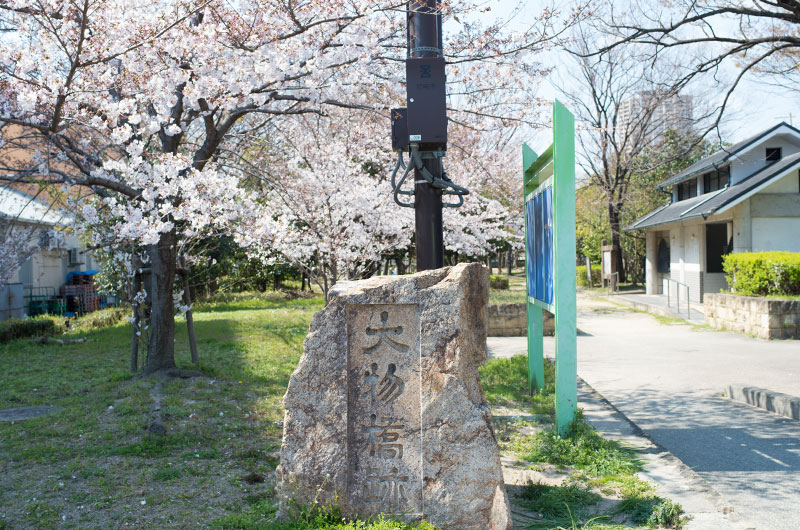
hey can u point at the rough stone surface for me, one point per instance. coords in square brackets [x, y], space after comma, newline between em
[385, 412]
[761, 317]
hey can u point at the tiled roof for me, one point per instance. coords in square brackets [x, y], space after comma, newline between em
[710, 203]
[720, 157]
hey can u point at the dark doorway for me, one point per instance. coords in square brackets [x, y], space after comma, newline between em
[662, 260]
[716, 246]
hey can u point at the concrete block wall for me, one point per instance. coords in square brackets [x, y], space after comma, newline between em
[765, 318]
[714, 282]
[511, 320]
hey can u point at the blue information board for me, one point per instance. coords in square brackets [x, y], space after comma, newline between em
[548, 183]
[539, 231]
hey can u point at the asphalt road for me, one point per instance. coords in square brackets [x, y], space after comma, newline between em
[669, 380]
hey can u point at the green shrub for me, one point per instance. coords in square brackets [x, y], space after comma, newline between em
[763, 273]
[667, 514]
[103, 318]
[581, 275]
[20, 328]
[498, 282]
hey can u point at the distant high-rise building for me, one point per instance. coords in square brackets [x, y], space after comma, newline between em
[670, 113]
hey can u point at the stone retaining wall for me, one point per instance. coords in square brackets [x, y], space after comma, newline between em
[766, 318]
[510, 320]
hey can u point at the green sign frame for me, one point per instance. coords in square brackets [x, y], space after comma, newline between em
[555, 167]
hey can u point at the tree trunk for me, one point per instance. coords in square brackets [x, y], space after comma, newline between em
[160, 282]
[613, 222]
[510, 263]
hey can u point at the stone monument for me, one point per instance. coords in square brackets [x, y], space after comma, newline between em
[385, 412]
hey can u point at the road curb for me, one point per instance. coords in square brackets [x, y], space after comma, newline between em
[783, 404]
[673, 478]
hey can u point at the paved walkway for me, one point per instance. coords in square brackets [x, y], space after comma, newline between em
[669, 379]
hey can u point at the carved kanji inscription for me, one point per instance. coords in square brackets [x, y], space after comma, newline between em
[383, 413]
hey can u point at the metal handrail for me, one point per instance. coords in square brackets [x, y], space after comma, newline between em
[678, 297]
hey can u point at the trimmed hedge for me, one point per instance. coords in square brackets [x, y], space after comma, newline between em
[763, 273]
[20, 328]
[498, 282]
[581, 275]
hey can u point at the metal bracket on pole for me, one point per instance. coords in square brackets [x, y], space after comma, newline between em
[443, 183]
[419, 49]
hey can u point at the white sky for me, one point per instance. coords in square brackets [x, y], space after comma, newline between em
[754, 106]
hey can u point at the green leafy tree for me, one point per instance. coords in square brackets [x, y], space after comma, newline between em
[659, 162]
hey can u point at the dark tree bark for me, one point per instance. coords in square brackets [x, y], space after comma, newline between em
[159, 285]
[616, 236]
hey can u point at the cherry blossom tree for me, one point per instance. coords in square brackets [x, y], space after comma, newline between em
[144, 103]
[135, 100]
[326, 205]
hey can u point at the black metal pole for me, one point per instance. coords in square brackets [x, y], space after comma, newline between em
[425, 40]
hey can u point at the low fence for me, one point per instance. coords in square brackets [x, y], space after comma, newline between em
[511, 320]
[765, 318]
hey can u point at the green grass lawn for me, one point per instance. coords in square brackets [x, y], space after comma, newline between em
[515, 294]
[94, 464]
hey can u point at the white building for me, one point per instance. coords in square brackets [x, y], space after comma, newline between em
[671, 113]
[60, 251]
[743, 198]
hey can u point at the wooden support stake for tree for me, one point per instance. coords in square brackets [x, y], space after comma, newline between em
[187, 299]
[136, 286]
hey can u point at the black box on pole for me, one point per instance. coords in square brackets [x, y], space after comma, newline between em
[427, 103]
[399, 129]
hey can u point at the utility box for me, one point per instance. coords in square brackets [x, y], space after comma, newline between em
[12, 303]
[399, 129]
[427, 103]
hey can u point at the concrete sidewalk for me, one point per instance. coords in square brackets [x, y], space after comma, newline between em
[669, 380]
[671, 478]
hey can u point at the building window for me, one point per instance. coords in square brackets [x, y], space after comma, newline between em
[774, 154]
[716, 180]
[687, 190]
[717, 245]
